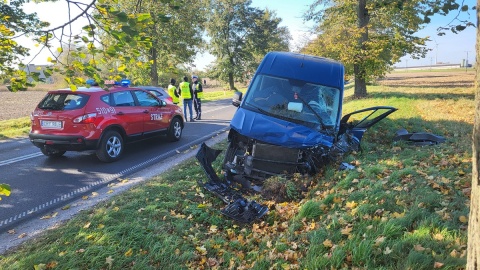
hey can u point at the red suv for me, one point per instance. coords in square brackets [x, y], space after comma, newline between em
[95, 119]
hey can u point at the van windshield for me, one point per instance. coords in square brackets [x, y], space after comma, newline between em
[303, 102]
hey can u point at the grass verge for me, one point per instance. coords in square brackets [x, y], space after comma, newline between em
[402, 207]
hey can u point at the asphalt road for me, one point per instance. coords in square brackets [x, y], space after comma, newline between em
[40, 184]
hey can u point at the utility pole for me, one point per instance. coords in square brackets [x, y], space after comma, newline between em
[466, 61]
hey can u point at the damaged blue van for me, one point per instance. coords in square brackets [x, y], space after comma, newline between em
[290, 121]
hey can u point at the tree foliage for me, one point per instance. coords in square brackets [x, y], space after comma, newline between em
[176, 35]
[104, 18]
[369, 36]
[14, 22]
[240, 33]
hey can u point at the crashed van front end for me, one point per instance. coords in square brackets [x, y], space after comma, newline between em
[288, 122]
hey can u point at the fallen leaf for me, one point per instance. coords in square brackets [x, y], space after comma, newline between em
[66, 207]
[387, 251]
[202, 250]
[22, 235]
[41, 266]
[379, 240]
[109, 261]
[328, 243]
[437, 265]
[87, 225]
[129, 253]
[418, 247]
[213, 229]
[85, 197]
[463, 219]
[351, 204]
[455, 254]
[347, 230]
[11, 231]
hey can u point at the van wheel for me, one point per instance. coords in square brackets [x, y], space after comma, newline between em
[52, 152]
[111, 147]
[175, 130]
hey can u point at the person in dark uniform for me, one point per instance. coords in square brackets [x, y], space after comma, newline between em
[198, 95]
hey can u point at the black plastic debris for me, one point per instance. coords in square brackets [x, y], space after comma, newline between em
[418, 138]
[238, 208]
[244, 211]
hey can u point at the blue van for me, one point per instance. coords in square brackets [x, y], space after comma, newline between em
[290, 121]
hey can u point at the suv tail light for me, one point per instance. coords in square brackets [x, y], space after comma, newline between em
[169, 100]
[86, 118]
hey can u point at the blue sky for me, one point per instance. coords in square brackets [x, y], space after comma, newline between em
[451, 48]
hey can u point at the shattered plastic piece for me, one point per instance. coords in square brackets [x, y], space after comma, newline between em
[418, 138]
[238, 208]
[244, 211]
[345, 166]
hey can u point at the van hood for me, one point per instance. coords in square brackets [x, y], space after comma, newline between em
[277, 131]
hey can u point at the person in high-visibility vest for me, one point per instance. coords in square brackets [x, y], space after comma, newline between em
[197, 101]
[172, 91]
[186, 93]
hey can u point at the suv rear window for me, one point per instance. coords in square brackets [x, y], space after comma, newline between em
[63, 101]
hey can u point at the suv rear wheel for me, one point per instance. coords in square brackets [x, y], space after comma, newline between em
[111, 147]
[175, 130]
[52, 153]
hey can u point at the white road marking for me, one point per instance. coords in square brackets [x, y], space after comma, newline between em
[21, 158]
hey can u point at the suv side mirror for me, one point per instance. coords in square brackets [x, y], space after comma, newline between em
[163, 103]
[237, 98]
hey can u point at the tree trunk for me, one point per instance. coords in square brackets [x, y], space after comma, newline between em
[230, 81]
[473, 248]
[358, 67]
[153, 69]
[360, 83]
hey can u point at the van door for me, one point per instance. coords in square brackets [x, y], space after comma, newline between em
[359, 121]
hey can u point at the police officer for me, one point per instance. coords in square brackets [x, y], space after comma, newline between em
[172, 91]
[187, 94]
[198, 92]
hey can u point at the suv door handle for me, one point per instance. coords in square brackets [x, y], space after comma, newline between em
[146, 111]
[120, 113]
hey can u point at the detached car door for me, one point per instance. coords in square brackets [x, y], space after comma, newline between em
[359, 121]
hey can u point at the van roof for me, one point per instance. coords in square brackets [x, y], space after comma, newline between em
[303, 67]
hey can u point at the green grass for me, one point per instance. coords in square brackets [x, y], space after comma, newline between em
[402, 207]
[14, 128]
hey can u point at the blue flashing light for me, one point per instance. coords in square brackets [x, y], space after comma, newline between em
[125, 82]
[90, 81]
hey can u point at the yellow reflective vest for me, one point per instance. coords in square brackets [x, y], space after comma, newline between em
[171, 92]
[185, 88]
[198, 89]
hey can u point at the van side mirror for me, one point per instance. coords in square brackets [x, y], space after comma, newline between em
[237, 98]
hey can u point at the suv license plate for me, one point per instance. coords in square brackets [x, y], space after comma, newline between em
[51, 124]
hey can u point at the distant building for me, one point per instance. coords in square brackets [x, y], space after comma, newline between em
[31, 68]
[436, 66]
